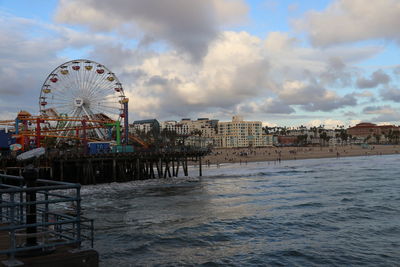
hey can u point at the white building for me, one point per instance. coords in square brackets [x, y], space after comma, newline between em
[173, 126]
[145, 126]
[270, 140]
[240, 133]
[204, 126]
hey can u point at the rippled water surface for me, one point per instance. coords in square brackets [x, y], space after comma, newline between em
[321, 212]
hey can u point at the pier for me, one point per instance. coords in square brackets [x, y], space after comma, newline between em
[113, 167]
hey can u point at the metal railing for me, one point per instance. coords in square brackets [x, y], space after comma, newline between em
[41, 217]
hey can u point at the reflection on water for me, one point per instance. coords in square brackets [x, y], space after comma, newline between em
[304, 213]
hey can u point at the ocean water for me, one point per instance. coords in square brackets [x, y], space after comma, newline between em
[316, 212]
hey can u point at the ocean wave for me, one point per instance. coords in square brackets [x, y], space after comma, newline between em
[138, 184]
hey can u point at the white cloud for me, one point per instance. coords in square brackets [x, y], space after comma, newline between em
[378, 77]
[269, 124]
[391, 94]
[385, 114]
[290, 59]
[346, 21]
[396, 70]
[233, 70]
[386, 109]
[293, 7]
[327, 123]
[267, 106]
[365, 93]
[313, 97]
[190, 26]
[353, 122]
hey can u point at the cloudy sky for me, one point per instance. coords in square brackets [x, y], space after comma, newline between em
[286, 62]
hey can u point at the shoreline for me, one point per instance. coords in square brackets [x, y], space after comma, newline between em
[276, 154]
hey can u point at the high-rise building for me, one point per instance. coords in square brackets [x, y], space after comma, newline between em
[240, 133]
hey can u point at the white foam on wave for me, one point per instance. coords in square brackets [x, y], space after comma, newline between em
[117, 187]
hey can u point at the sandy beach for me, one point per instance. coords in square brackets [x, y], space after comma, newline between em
[243, 155]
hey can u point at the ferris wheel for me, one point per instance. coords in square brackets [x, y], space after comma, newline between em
[82, 90]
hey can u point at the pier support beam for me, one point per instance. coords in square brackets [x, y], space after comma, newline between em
[114, 170]
[185, 167]
[200, 167]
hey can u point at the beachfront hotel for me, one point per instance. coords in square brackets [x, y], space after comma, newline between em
[240, 133]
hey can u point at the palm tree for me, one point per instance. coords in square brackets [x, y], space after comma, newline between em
[377, 137]
[283, 131]
[343, 135]
[396, 135]
[196, 132]
[324, 137]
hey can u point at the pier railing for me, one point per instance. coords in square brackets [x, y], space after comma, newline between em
[39, 218]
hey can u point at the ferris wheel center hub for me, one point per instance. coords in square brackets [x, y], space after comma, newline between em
[78, 102]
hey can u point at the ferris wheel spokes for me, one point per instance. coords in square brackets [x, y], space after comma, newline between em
[64, 126]
[98, 131]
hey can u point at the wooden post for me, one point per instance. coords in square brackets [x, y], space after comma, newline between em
[62, 170]
[159, 168]
[128, 170]
[82, 169]
[151, 170]
[114, 170]
[169, 171]
[147, 169]
[166, 168]
[121, 171]
[125, 170]
[200, 167]
[137, 169]
[177, 167]
[185, 168]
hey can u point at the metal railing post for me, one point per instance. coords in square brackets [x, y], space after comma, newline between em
[78, 215]
[30, 176]
[13, 242]
[1, 209]
[21, 199]
[1, 202]
[92, 232]
[46, 207]
[46, 211]
[21, 208]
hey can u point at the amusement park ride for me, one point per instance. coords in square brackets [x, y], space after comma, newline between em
[79, 100]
